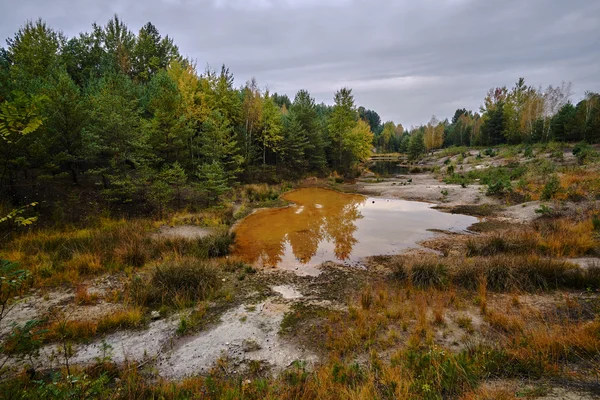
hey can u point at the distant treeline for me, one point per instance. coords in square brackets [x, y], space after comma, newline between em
[523, 114]
[131, 115]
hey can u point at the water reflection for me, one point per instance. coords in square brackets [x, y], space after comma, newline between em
[324, 225]
[388, 168]
[318, 217]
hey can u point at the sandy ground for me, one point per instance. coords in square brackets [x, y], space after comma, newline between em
[244, 334]
[423, 187]
[184, 231]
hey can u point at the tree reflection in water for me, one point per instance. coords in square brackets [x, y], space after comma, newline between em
[319, 221]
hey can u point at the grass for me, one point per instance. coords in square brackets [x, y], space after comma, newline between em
[71, 255]
[562, 237]
[178, 282]
[503, 273]
[82, 331]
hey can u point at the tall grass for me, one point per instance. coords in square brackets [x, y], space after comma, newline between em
[500, 273]
[178, 282]
[561, 237]
[68, 256]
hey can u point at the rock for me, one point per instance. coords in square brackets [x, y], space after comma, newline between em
[154, 315]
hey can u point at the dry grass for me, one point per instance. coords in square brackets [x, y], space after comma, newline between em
[71, 255]
[81, 331]
[83, 297]
[178, 282]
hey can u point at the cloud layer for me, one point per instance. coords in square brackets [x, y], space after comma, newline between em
[405, 59]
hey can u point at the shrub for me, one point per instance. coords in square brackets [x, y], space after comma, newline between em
[489, 152]
[584, 152]
[499, 187]
[183, 280]
[429, 273]
[551, 188]
[217, 244]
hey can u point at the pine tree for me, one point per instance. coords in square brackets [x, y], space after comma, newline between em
[213, 181]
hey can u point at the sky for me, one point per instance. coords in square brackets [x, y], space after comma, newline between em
[405, 59]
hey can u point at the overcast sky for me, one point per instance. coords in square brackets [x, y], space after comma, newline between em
[406, 59]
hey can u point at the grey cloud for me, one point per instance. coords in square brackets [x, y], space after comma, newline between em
[405, 59]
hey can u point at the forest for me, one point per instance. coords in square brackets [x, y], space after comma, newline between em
[520, 115]
[132, 119]
[129, 115]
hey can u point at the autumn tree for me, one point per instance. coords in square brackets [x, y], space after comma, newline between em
[357, 144]
[433, 135]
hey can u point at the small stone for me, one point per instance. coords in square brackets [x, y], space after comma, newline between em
[154, 315]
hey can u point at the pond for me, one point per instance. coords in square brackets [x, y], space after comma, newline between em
[323, 225]
[388, 168]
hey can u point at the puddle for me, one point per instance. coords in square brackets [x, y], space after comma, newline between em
[245, 333]
[388, 168]
[287, 292]
[324, 225]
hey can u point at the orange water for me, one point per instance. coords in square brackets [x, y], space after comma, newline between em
[324, 225]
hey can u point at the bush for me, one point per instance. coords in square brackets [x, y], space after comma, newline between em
[179, 281]
[429, 273]
[489, 152]
[217, 244]
[499, 187]
[584, 152]
[551, 188]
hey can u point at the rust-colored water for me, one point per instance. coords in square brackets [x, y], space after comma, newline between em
[324, 225]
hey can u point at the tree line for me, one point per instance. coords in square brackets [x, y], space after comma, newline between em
[131, 114]
[522, 114]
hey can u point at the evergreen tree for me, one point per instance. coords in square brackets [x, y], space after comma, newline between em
[213, 181]
[416, 145]
[66, 114]
[341, 121]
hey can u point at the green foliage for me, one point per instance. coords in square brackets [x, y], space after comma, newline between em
[213, 181]
[544, 210]
[341, 123]
[584, 152]
[416, 145]
[551, 188]
[439, 373]
[187, 279]
[596, 222]
[499, 187]
[13, 281]
[80, 386]
[15, 215]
